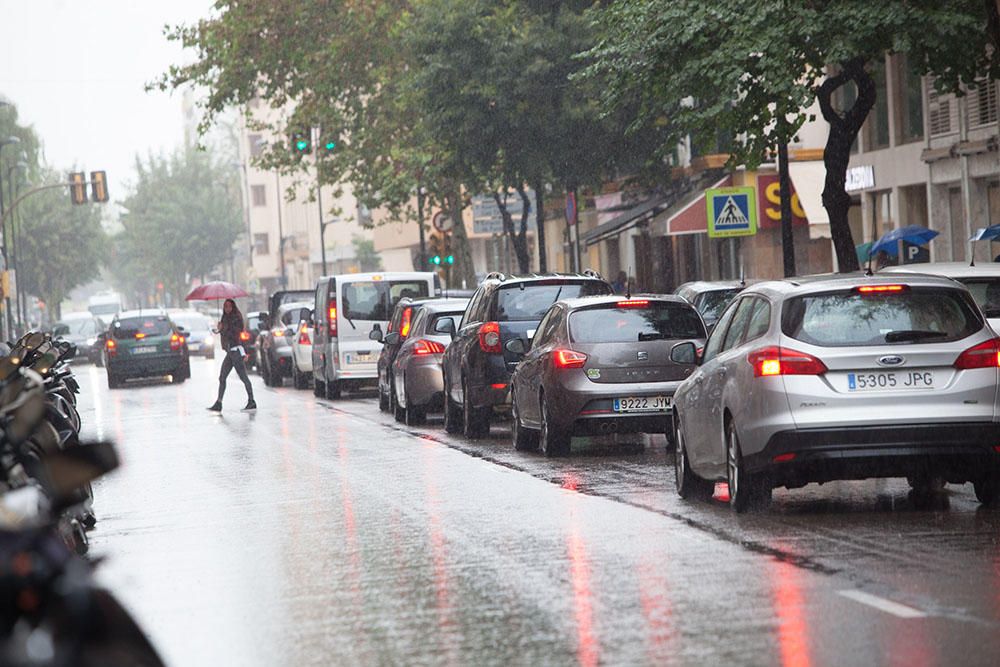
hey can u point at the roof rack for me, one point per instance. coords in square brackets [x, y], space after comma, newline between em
[495, 275]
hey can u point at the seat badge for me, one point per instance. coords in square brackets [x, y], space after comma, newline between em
[643, 356]
[594, 373]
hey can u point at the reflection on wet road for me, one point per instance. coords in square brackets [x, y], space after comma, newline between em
[323, 532]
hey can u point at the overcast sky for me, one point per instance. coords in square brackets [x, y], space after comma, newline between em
[76, 70]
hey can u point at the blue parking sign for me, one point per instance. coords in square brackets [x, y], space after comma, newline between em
[731, 211]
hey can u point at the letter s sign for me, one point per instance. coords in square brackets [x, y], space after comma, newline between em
[770, 203]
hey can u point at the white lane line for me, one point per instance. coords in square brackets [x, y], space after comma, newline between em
[888, 606]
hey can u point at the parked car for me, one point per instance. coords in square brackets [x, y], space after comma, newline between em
[477, 365]
[600, 365]
[417, 386]
[711, 297]
[276, 342]
[144, 343]
[198, 331]
[349, 309]
[302, 350]
[83, 330]
[982, 280]
[841, 377]
[255, 324]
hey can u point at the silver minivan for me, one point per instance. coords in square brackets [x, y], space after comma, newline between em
[348, 308]
[842, 377]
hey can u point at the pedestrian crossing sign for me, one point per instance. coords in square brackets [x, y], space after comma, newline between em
[731, 212]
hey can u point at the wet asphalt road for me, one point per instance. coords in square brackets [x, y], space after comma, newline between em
[323, 532]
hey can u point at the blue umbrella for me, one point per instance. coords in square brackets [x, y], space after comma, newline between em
[914, 234]
[986, 233]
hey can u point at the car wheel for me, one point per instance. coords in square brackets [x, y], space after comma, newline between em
[265, 373]
[300, 379]
[689, 485]
[383, 400]
[525, 439]
[398, 411]
[551, 442]
[988, 489]
[183, 373]
[415, 415]
[113, 381]
[925, 484]
[476, 421]
[746, 491]
[333, 390]
[452, 414]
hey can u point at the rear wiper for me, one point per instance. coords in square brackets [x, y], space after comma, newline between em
[912, 334]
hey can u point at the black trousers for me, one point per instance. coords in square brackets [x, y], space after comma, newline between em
[234, 360]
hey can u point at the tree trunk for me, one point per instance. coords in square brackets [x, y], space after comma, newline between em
[844, 130]
[543, 265]
[518, 237]
[463, 273]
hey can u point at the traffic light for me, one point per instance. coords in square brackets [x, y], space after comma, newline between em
[435, 247]
[99, 186]
[447, 257]
[78, 187]
[301, 143]
[328, 145]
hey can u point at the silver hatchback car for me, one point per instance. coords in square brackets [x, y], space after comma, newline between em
[842, 377]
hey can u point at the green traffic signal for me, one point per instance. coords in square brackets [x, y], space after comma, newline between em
[436, 259]
[450, 259]
[330, 145]
[301, 145]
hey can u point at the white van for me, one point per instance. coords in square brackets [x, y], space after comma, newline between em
[348, 307]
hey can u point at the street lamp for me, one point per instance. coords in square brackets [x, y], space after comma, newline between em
[15, 237]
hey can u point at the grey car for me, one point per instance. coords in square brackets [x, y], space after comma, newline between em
[711, 297]
[601, 365]
[841, 377]
[416, 368]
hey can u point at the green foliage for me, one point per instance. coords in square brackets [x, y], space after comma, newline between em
[59, 246]
[181, 220]
[367, 257]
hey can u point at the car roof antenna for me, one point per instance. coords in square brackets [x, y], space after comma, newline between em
[628, 283]
[868, 269]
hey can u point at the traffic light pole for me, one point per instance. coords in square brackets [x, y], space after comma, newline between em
[420, 223]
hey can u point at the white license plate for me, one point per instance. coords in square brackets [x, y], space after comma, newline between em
[890, 381]
[642, 404]
[143, 350]
[359, 358]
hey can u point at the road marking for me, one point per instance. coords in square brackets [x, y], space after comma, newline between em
[888, 606]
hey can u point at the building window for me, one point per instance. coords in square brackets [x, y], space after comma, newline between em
[877, 125]
[909, 104]
[939, 110]
[260, 244]
[256, 144]
[982, 103]
[259, 195]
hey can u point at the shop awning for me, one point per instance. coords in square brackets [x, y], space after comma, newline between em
[809, 179]
[690, 215]
[626, 220]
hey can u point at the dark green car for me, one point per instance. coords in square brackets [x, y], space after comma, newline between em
[145, 344]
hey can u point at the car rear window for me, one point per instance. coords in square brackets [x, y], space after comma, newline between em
[711, 304]
[985, 291]
[192, 322]
[148, 326]
[658, 321]
[375, 299]
[848, 318]
[82, 327]
[529, 301]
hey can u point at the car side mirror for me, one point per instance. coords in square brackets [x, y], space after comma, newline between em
[445, 326]
[516, 346]
[392, 338]
[684, 353]
[376, 333]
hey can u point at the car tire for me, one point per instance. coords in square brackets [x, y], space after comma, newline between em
[452, 413]
[415, 415]
[114, 382]
[265, 373]
[182, 374]
[988, 489]
[746, 491]
[525, 439]
[550, 442]
[319, 388]
[333, 390]
[383, 400]
[398, 411]
[299, 379]
[689, 485]
[476, 421]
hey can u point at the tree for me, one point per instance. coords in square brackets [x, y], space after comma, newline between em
[364, 252]
[751, 70]
[181, 220]
[59, 246]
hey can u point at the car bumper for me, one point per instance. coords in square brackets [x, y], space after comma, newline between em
[146, 366]
[958, 452]
[424, 384]
[303, 358]
[587, 408]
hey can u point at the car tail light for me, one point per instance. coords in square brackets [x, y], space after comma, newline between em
[984, 355]
[139, 335]
[880, 289]
[404, 325]
[332, 313]
[244, 336]
[776, 360]
[277, 332]
[304, 335]
[633, 303]
[176, 341]
[112, 347]
[422, 347]
[489, 337]
[784, 458]
[569, 359]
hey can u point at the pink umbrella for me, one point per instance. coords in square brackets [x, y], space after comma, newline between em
[214, 290]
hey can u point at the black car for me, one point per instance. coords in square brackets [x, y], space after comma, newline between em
[477, 365]
[255, 322]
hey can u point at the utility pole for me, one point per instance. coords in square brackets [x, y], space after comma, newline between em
[420, 222]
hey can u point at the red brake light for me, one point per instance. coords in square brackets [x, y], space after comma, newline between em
[633, 303]
[984, 355]
[304, 335]
[422, 347]
[332, 311]
[176, 341]
[244, 336]
[404, 325]
[879, 289]
[775, 360]
[569, 359]
[489, 337]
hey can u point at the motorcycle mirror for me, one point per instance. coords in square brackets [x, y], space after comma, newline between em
[71, 468]
[26, 418]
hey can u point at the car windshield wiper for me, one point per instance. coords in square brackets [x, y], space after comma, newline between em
[913, 334]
